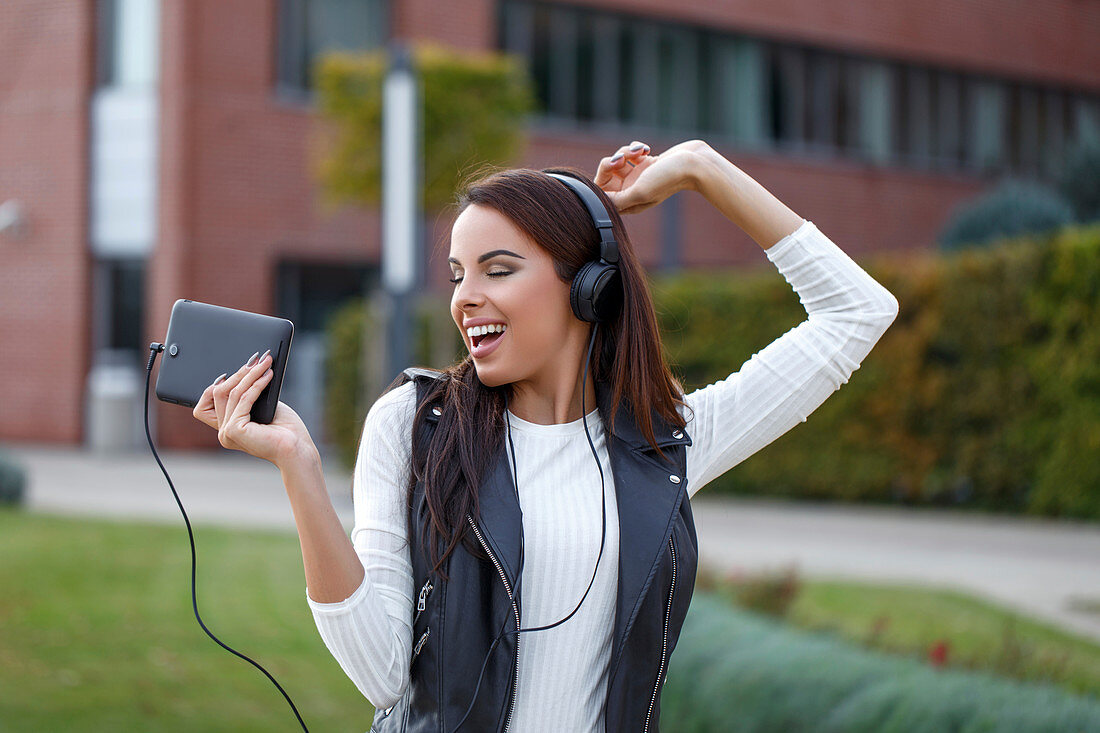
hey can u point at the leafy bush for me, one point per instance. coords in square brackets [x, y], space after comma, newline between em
[351, 386]
[733, 671]
[13, 479]
[984, 392]
[1015, 207]
[768, 592]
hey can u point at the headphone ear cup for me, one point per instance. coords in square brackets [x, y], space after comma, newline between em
[580, 293]
[596, 294]
[607, 296]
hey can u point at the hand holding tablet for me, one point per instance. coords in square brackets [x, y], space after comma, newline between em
[205, 341]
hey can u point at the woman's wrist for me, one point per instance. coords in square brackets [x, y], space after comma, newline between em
[741, 199]
[303, 460]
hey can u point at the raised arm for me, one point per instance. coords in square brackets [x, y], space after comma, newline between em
[779, 386]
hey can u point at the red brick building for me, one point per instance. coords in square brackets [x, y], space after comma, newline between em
[158, 149]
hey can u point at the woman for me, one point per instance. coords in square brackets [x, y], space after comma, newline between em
[425, 605]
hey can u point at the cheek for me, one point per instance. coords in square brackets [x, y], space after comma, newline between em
[544, 309]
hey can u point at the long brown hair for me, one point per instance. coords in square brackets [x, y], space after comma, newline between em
[627, 352]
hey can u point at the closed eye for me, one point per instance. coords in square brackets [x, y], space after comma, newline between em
[490, 274]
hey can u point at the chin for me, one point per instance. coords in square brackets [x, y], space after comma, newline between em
[490, 378]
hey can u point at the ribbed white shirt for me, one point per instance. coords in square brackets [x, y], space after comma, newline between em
[563, 671]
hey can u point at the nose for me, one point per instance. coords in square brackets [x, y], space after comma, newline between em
[467, 294]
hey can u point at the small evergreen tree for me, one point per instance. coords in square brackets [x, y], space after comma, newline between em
[1080, 180]
[1013, 208]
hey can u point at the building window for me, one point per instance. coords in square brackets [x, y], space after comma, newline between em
[985, 149]
[309, 28]
[127, 32]
[309, 293]
[595, 67]
[118, 320]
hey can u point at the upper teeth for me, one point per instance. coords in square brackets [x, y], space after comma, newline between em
[482, 330]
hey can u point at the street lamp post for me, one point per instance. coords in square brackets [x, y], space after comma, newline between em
[401, 157]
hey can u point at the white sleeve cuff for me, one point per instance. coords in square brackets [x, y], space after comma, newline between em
[339, 607]
[804, 231]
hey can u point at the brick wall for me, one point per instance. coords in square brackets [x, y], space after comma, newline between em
[45, 78]
[235, 190]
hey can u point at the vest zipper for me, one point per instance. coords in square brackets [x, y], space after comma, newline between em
[664, 639]
[421, 602]
[420, 643]
[515, 609]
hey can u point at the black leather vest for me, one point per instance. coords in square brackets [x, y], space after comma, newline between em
[455, 623]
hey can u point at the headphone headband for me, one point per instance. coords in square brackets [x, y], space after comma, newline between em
[609, 248]
[596, 294]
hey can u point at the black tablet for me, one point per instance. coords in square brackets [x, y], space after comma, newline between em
[206, 340]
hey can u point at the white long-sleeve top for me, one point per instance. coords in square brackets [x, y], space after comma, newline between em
[563, 671]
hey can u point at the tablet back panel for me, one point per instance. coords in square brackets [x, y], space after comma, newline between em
[205, 340]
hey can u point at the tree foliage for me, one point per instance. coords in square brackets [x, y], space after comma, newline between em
[473, 106]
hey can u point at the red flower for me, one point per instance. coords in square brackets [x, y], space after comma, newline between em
[937, 653]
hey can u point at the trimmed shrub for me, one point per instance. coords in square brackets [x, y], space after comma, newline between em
[984, 392]
[349, 392]
[734, 671]
[1013, 208]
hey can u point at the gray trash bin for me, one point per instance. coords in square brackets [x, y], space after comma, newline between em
[115, 398]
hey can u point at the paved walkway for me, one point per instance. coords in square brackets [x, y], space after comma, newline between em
[1044, 568]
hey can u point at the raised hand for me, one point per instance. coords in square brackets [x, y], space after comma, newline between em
[635, 180]
[226, 406]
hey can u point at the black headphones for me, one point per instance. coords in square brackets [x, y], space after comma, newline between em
[596, 295]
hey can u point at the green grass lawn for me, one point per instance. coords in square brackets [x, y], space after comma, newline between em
[97, 634]
[913, 620]
[97, 631]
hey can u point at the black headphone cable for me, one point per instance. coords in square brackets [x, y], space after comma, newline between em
[519, 573]
[154, 349]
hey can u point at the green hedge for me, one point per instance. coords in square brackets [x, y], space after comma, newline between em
[984, 392]
[347, 395]
[736, 671]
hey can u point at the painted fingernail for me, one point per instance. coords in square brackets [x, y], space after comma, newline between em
[221, 379]
[252, 359]
[615, 158]
[264, 355]
[637, 146]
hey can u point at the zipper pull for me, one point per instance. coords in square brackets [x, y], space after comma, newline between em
[422, 601]
[420, 643]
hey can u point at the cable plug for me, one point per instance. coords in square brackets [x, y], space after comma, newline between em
[154, 349]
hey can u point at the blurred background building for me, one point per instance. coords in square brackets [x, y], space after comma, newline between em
[160, 149]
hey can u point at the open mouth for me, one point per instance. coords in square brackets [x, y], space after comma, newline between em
[488, 339]
[483, 337]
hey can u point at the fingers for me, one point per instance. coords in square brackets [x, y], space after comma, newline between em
[614, 168]
[225, 398]
[241, 411]
[244, 395]
[204, 408]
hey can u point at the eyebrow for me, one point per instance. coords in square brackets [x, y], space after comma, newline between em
[490, 255]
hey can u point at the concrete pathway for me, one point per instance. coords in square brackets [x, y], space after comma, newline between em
[1044, 568]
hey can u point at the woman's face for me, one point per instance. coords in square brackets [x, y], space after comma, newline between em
[505, 278]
